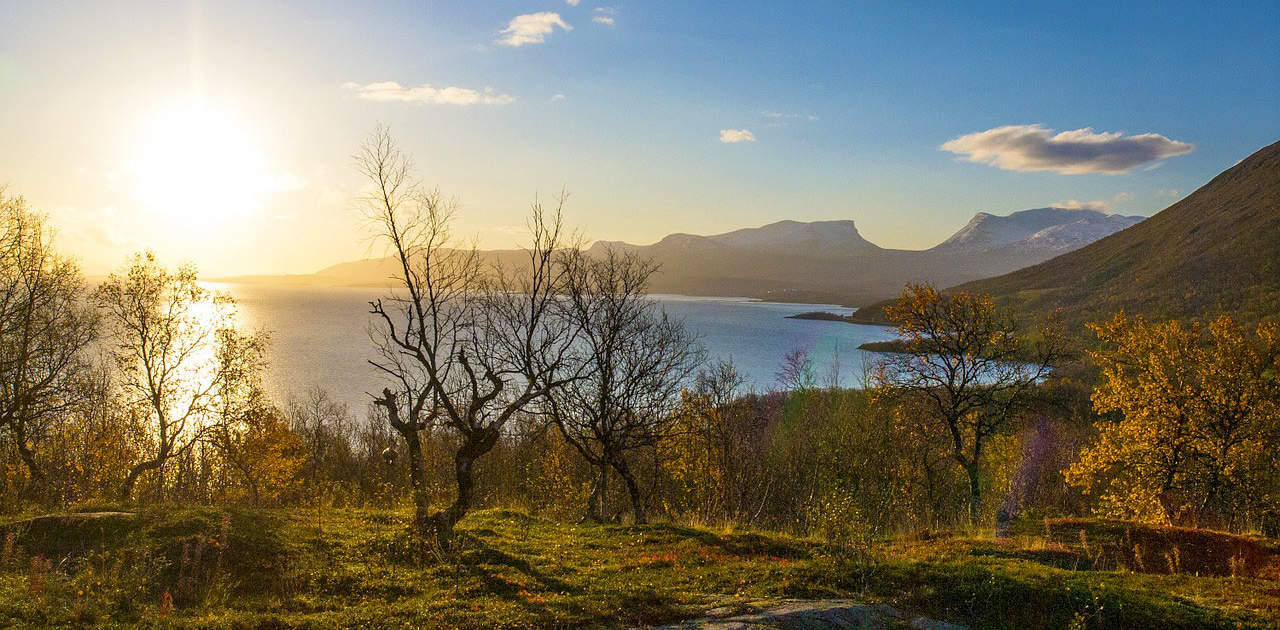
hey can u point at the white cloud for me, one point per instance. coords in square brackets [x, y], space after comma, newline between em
[572, 3]
[605, 15]
[426, 93]
[532, 28]
[1099, 205]
[782, 119]
[1172, 193]
[556, 98]
[1035, 148]
[786, 116]
[734, 136]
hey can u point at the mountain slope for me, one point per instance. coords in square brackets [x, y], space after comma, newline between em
[1217, 250]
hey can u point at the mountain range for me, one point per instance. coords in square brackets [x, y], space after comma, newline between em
[1217, 250]
[826, 261]
[831, 261]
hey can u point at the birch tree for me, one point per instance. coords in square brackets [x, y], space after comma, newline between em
[965, 365]
[464, 344]
[45, 327]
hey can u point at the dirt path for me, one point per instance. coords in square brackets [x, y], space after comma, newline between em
[825, 614]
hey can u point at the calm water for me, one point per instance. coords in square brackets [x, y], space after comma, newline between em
[319, 337]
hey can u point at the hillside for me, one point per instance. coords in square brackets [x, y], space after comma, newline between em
[1217, 250]
[815, 261]
[242, 568]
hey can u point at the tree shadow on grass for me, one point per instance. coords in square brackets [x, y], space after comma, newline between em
[745, 544]
[476, 556]
[491, 568]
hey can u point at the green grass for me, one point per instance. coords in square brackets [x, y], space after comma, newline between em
[278, 569]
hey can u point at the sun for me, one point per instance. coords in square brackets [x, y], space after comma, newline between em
[201, 165]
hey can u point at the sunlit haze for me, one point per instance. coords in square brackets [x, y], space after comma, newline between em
[639, 314]
[221, 133]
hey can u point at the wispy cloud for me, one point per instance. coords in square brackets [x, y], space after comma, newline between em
[427, 93]
[787, 116]
[1172, 193]
[102, 226]
[785, 119]
[734, 136]
[1099, 205]
[1035, 148]
[532, 28]
[572, 3]
[605, 15]
[556, 98]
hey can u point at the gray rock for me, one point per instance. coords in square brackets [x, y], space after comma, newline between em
[827, 614]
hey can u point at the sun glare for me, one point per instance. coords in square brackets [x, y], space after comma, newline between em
[200, 165]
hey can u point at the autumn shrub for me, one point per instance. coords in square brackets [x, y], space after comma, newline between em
[1196, 411]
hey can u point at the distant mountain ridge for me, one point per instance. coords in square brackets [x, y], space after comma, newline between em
[1047, 228]
[1217, 250]
[817, 237]
[822, 261]
[832, 261]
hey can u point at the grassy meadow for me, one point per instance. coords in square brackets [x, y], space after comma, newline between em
[216, 568]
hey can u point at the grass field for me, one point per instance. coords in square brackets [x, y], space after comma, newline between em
[205, 567]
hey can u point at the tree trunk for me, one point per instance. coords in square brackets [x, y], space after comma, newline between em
[599, 492]
[254, 494]
[476, 445]
[633, 489]
[35, 476]
[241, 466]
[975, 492]
[421, 501]
[131, 479]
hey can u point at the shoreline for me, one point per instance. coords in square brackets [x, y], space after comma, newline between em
[310, 281]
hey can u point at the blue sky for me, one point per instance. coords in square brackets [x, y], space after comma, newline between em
[848, 105]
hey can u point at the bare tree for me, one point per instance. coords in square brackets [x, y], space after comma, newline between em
[464, 345]
[636, 361]
[730, 439]
[44, 328]
[967, 365]
[324, 425]
[796, 372]
[163, 327]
